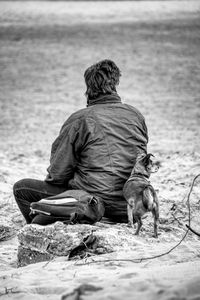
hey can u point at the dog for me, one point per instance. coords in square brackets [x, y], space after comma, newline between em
[139, 193]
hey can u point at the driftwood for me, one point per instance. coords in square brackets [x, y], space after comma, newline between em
[43, 243]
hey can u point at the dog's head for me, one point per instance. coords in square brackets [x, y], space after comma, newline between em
[145, 165]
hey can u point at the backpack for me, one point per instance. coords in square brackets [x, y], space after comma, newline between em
[71, 207]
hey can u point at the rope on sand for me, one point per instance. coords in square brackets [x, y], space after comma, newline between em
[194, 231]
[139, 260]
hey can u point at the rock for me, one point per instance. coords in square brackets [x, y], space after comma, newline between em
[41, 243]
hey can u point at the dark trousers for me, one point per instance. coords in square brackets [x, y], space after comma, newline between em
[28, 190]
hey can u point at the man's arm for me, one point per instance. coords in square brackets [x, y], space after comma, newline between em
[145, 130]
[63, 154]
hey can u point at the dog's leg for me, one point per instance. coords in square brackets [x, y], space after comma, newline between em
[139, 224]
[130, 212]
[130, 216]
[155, 213]
[155, 227]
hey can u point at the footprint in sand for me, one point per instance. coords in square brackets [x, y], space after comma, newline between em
[128, 275]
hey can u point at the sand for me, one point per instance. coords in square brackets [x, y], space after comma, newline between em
[44, 50]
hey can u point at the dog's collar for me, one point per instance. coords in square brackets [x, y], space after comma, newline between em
[138, 175]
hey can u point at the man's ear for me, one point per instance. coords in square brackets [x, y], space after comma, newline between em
[146, 159]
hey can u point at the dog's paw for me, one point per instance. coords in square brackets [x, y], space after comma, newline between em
[130, 225]
[155, 235]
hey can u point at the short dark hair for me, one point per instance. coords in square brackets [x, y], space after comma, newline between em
[101, 78]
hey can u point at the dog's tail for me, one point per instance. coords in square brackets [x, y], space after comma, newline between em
[150, 200]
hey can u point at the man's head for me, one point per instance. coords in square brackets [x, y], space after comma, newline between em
[101, 78]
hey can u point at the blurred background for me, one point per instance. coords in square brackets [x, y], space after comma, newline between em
[45, 48]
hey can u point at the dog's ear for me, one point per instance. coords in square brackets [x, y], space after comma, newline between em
[146, 159]
[149, 155]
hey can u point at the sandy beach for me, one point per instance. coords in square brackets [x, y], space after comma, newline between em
[44, 49]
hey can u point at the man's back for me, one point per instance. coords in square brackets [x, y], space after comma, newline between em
[106, 138]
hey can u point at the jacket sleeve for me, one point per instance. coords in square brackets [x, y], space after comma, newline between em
[145, 131]
[63, 154]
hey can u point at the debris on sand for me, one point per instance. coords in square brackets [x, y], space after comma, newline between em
[6, 232]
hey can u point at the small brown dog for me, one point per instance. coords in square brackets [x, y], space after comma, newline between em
[139, 193]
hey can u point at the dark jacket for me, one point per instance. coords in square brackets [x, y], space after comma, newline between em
[96, 149]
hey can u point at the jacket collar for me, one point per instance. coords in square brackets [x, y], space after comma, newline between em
[104, 99]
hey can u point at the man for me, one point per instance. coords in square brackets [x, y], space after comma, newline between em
[95, 150]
